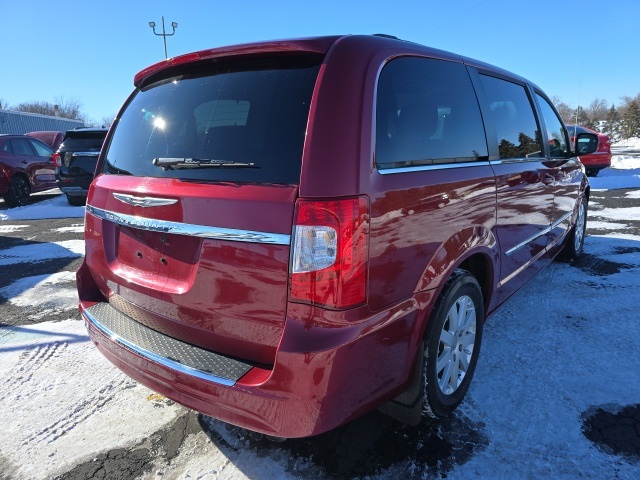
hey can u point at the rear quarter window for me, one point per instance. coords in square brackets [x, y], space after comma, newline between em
[427, 113]
[252, 112]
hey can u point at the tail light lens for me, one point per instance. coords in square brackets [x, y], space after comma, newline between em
[604, 144]
[57, 160]
[330, 252]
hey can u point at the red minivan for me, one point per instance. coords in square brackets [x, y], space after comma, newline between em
[286, 235]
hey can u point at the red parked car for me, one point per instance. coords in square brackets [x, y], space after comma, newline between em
[286, 235]
[26, 166]
[52, 138]
[596, 161]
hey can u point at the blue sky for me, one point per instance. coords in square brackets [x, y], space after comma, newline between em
[90, 51]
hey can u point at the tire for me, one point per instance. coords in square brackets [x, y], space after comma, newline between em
[592, 172]
[19, 191]
[76, 200]
[452, 340]
[575, 241]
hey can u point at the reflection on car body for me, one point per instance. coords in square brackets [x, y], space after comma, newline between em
[403, 195]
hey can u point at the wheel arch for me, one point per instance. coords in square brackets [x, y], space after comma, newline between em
[21, 173]
[474, 249]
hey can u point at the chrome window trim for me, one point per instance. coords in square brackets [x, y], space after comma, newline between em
[538, 235]
[188, 229]
[441, 166]
[507, 161]
[164, 361]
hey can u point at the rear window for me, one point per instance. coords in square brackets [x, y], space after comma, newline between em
[240, 121]
[85, 141]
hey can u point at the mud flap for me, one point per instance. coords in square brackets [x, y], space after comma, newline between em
[407, 407]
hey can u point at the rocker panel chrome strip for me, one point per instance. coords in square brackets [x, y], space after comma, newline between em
[537, 235]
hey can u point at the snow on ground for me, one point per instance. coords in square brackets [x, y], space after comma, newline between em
[33, 253]
[11, 228]
[56, 207]
[55, 293]
[567, 343]
[563, 345]
[625, 169]
[76, 228]
[61, 400]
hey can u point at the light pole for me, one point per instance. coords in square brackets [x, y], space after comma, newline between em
[163, 34]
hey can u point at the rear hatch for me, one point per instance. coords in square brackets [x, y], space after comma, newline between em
[79, 153]
[189, 220]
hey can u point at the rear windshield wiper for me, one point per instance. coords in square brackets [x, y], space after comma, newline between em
[169, 163]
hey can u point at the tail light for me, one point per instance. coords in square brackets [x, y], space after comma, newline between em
[604, 144]
[330, 252]
[57, 160]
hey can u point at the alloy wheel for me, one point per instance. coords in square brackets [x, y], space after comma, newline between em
[455, 349]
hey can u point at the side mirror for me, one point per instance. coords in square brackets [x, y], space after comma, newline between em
[586, 143]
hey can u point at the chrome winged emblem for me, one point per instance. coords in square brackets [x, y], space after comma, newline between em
[144, 201]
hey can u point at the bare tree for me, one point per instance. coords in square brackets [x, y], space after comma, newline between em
[626, 101]
[107, 120]
[597, 110]
[60, 108]
[566, 112]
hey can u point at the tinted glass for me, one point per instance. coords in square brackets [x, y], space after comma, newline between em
[251, 112]
[41, 149]
[87, 141]
[555, 136]
[427, 113]
[584, 145]
[513, 118]
[573, 130]
[21, 147]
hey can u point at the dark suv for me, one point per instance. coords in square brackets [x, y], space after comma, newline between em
[76, 160]
[286, 235]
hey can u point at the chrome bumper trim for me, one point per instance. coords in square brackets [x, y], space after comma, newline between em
[188, 229]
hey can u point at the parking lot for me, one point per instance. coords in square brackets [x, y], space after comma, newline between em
[556, 393]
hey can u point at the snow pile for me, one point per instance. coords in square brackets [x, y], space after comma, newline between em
[626, 154]
[625, 168]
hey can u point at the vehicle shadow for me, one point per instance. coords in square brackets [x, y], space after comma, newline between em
[371, 445]
[27, 334]
[34, 198]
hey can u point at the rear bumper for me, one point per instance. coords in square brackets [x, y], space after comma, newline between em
[596, 160]
[74, 191]
[74, 184]
[329, 369]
